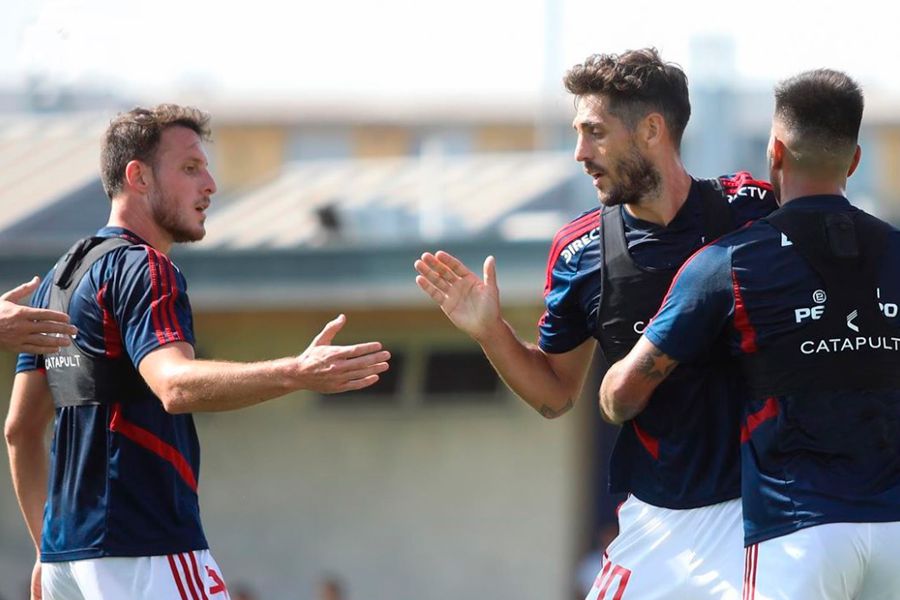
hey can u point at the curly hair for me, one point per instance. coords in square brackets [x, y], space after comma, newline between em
[636, 83]
[135, 135]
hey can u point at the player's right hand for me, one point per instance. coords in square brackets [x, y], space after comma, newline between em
[472, 304]
[330, 369]
[32, 330]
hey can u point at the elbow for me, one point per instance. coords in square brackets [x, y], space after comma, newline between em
[618, 406]
[550, 412]
[17, 431]
[174, 398]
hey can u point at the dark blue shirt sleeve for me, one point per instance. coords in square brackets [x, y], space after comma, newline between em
[150, 302]
[697, 307]
[563, 326]
[40, 299]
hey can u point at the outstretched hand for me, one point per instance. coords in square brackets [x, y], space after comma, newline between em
[472, 304]
[32, 330]
[330, 369]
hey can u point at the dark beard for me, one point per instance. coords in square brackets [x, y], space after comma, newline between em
[637, 178]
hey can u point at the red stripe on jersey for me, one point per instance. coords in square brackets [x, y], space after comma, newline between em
[170, 302]
[155, 290]
[742, 319]
[165, 296]
[197, 577]
[564, 237]
[187, 576]
[742, 179]
[769, 410]
[647, 441]
[177, 577]
[112, 340]
[151, 442]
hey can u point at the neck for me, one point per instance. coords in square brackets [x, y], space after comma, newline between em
[795, 186]
[663, 204]
[140, 222]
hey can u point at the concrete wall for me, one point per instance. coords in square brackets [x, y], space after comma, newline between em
[410, 502]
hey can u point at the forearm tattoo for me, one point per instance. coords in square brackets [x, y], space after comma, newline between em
[654, 365]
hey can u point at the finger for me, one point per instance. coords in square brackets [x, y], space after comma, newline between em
[453, 263]
[363, 373]
[51, 328]
[364, 362]
[437, 279]
[358, 384]
[368, 348]
[427, 287]
[22, 290]
[325, 337]
[441, 268]
[44, 314]
[490, 272]
[46, 342]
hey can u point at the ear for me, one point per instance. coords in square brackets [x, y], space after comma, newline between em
[651, 129]
[855, 162]
[138, 175]
[776, 158]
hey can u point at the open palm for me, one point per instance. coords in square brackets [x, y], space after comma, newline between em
[470, 303]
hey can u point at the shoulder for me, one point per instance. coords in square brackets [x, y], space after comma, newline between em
[569, 244]
[750, 198]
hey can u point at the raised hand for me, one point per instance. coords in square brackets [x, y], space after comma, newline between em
[33, 330]
[329, 369]
[471, 304]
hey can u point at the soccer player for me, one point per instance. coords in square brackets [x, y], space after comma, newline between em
[806, 300]
[121, 516]
[27, 329]
[607, 273]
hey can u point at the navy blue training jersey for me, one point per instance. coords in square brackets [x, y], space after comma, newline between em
[749, 289]
[123, 474]
[682, 451]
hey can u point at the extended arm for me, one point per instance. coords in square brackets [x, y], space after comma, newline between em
[627, 386]
[550, 383]
[185, 384]
[32, 330]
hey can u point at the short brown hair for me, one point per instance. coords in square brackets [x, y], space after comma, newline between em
[135, 135]
[636, 82]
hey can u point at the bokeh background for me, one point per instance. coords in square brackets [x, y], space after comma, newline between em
[349, 137]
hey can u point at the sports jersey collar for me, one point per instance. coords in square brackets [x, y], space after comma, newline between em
[819, 202]
[682, 217]
[110, 231]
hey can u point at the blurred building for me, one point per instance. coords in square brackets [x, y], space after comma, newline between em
[436, 483]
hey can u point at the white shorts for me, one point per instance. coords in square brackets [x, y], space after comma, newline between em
[661, 553]
[186, 576]
[835, 561]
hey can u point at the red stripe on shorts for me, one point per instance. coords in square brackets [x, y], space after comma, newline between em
[187, 576]
[197, 578]
[177, 577]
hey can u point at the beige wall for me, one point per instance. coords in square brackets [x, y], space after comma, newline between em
[415, 502]
[504, 138]
[376, 142]
[247, 155]
[888, 177]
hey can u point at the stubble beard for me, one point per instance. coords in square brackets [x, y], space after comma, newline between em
[166, 217]
[637, 179]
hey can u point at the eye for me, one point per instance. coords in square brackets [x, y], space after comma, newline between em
[190, 169]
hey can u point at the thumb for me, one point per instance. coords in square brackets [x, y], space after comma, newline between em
[21, 291]
[329, 331]
[490, 272]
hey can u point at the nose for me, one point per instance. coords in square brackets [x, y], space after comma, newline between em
[209, 186]
[582, 150]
